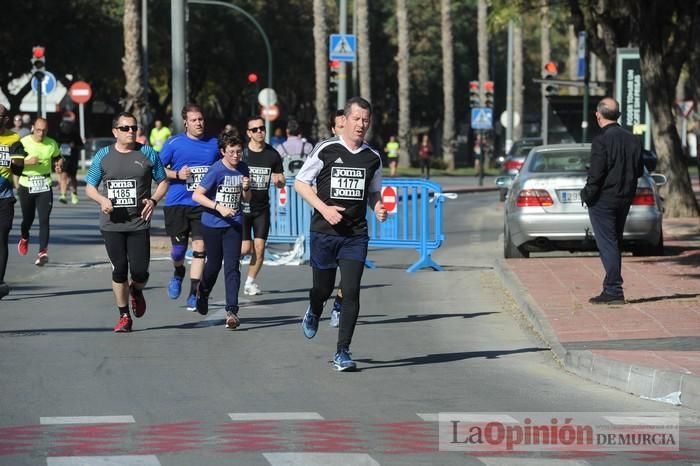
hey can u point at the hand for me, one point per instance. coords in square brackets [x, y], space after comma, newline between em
[246, 183]
[183, 173]
[380, 211]
[147, 211]
[106, 206]
[225, 211]
[31, 160]
[332, 214]
[59, 166]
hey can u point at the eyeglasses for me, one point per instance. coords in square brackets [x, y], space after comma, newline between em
[257, 129]
[125, 129]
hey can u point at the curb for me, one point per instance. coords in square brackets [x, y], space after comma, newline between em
[646, 382]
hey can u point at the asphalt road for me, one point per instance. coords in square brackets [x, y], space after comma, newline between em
[182, 390]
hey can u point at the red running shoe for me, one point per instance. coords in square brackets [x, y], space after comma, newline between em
[23, 246]
[124, 324]
[138, 302]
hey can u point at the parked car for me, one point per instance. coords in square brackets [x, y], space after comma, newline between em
[92, 145]
[544, 212]
[515, 158]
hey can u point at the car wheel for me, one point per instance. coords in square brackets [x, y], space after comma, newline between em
[502, 195]
[510, 251]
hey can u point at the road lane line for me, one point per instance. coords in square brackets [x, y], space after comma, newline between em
[320, 459]
[126, 460]
[87, 420]
[510, 461]
[290, 416]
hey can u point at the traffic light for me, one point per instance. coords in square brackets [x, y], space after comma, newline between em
[488, 93]
[334, 67]
[550, 72]
[38, 59]
[252, 78]
[474, 98]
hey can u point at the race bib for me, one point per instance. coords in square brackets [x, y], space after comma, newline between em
[196, 175]
[65, 150]
[260, 178]
[348, 183]
[122, 193]
[229, 195]
[5, 159]
[38, 184]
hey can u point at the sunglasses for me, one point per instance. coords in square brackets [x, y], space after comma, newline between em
[125, 129]
[257, 129]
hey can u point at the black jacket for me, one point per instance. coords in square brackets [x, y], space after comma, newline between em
[616, 163]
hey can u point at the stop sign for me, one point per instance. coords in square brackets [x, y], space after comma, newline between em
[282, 200]
[80, 92]
[271, 112]
[389, 199]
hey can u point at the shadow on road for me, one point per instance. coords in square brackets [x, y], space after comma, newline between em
[421, 318]
[444, 357]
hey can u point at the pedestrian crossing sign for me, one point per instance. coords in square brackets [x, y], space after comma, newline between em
[482, 118]
[342, 47]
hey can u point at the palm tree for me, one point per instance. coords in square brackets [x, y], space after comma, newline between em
[404, 84]
[134, 101]
[448, 90]
[321, 68]
[363, 48]
[482, 41]
[518, 106]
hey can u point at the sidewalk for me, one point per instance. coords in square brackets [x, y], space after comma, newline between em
[651, 345]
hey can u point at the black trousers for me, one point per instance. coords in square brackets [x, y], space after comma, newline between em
[30, 204]
[7, 214]
[608, 221]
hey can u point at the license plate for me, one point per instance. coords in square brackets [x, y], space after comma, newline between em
[570, 196]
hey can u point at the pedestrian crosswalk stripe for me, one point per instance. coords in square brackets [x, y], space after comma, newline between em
[289, 416]
[643, 420]
[479, 417]
[87, 420]
[428, 417]
[320, 459]
[126, 460]
[510, 461]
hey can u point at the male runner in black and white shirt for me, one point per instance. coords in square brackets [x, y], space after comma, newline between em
[347, 173]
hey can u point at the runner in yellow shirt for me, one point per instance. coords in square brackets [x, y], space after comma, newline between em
[392, 154]
[35, 193]
[159, 134]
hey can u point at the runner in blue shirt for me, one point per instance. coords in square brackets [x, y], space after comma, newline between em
[187, 158]
[220, 192]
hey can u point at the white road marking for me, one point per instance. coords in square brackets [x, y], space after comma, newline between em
[320, 459]
[291, 416]
[87, 420]
[428, 417]
[643, 420]
[127, 460]
[479, 418]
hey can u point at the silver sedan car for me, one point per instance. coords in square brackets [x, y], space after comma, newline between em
[544, 212]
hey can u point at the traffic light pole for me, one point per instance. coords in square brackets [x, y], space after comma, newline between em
[342, 73]
[509, 89]
[584, 118]
[40, 91]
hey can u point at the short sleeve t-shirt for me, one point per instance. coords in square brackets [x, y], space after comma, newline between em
[225, 186]
[36, 178]
[10, 148]
[344, 178]
[126, 180]
[198, 155]
[262, 165]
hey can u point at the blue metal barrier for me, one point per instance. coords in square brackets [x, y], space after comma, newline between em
[416, 224]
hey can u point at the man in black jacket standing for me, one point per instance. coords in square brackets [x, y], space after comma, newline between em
[616, 164]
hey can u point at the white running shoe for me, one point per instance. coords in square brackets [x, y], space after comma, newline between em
[252, 289]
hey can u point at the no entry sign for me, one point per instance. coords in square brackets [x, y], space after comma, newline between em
[80, 92]
[390, 199]
[282, 200]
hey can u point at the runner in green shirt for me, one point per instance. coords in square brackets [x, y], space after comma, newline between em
[392, 153]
